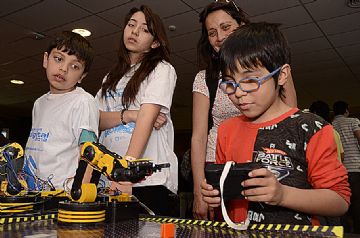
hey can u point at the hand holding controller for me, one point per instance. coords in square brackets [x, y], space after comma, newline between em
[232, 184]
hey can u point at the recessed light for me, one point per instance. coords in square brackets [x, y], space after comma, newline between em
[82, 32]
[15, 81]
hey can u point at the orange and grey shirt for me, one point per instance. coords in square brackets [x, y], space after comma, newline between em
[298, 147]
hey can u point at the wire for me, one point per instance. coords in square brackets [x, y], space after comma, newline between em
[144, 206]
[33, 203]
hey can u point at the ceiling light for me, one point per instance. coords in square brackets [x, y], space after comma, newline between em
[82, 32]
[353, 3]
[15, 81]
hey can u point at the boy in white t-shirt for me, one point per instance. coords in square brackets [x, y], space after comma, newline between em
[63, 118]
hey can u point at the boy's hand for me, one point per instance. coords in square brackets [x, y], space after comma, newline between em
[267, 187]
[124, 187]
[210, 195]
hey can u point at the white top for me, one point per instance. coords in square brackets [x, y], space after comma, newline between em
[223, 109]
[157, 88]
[57, 122]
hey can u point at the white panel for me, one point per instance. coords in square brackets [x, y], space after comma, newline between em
[176, 60]
[302, 32]
[350, 50]
[97, 26]
[47, 15]
[325, 9]
[107, 43]
[345, 39]
[189, 55]
[9, 6]
[309, 45]
[260, 7]
[314, 57]
[99, 6]
[287, 17]
[198, 3]
[186, 22]
[184, 42]
[173, 7]
[341, 24]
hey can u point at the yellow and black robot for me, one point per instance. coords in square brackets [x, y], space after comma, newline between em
[86, 207]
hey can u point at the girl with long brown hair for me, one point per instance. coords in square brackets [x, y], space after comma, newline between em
[135, 100]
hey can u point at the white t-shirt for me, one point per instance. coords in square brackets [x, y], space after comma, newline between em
[157, 88]
[57, 122]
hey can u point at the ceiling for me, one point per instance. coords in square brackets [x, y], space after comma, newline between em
[324, 36]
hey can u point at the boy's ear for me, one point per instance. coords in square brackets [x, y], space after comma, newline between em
[284, 75]
[45, 59]
[82, 76]
[155, 44]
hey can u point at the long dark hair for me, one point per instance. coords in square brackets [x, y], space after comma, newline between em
[149, 60]
[207, 56]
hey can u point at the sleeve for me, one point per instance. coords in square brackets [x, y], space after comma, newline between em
[199, 84]
[355, 125]
[325, 171]
[86, 135]
[160, 86]
[220, 146]
[338, 141]
[86, 116]
[99, 99]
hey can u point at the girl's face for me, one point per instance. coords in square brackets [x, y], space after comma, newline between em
[137, 38]
[219, 26]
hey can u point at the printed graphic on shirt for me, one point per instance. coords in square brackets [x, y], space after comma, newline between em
[275, 160]
[37, 134]
[281, 148]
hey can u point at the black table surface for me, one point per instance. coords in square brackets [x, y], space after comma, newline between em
[151, 227]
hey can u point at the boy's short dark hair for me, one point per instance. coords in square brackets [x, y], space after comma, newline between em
[73, 44]
[340, 107]
[255, 45]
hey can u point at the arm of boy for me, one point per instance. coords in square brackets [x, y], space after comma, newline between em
[111, 119]
[310, 201]
[198, 151]
[330, 193]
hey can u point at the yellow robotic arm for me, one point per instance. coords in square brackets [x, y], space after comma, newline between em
[112, 165]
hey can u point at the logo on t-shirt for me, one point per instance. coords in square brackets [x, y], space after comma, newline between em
[37, 134]
[275, 160]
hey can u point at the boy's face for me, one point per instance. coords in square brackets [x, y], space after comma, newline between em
[63, 71]
[260, 105]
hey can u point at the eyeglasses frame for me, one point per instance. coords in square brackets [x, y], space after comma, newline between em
[259, 82]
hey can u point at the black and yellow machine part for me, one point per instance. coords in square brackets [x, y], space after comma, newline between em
[81, 213]
[16, 204]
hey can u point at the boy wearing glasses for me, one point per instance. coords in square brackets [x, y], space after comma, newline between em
[302, 177]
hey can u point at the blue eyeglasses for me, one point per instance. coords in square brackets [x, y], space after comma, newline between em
[251, 84]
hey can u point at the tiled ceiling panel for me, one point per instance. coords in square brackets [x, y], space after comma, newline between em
[47, 15]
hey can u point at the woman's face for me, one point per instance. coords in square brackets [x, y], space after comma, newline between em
[219, 26]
